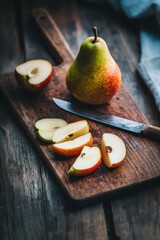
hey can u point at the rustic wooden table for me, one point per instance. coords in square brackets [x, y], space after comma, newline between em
[32, 205]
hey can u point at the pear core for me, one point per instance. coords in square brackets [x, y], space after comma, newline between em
[94, 77]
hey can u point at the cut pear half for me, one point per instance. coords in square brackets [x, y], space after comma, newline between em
[71, 131]
[35, 72]
[73, 147]
[45, 127]
[87, 162]
[113, 150]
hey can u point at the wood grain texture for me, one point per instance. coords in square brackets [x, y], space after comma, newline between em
[9, 57]
[138, 165]
[139, 213]
[9, 33]
[53, 35]
[21, 206]
[22, 184]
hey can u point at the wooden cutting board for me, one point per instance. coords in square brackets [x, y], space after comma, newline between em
[142, 163]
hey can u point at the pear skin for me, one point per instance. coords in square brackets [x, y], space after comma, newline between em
[94, 77]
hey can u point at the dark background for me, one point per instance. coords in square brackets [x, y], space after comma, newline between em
[32, 205]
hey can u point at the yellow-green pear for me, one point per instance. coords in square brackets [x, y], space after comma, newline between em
[94, 77]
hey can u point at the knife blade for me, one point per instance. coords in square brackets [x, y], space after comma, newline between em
[109, 120]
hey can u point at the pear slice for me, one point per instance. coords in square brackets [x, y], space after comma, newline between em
[70, 131]
[45, 136]
[87, 162]
[113, 150]
[45, 127]
[73, 147]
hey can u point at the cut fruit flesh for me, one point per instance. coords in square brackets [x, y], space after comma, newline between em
[71, 131]
[45, 127]
[50, 123]
[45, 136]
[113, 150]
[35, 71]
[73, 147]
[87, 162]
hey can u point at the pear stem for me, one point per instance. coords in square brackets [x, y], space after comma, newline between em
[95, 33]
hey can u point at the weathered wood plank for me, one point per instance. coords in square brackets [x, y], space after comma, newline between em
[20, 179]
[137, 216]
[11, 53]
[4, 233]
[9, 57]
[22, 183]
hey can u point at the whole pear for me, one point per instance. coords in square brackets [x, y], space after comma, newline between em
[94, 77]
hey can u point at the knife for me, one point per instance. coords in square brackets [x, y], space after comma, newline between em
[110, 120]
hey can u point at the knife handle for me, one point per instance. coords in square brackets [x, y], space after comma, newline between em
[57, 44]
[151, 131]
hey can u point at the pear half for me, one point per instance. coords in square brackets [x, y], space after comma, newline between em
[34, 74]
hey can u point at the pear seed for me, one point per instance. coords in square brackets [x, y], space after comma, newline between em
[83, 154]
[108, 149]
[70, 135]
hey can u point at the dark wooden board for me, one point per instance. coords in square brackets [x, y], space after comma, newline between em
[142, 160]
